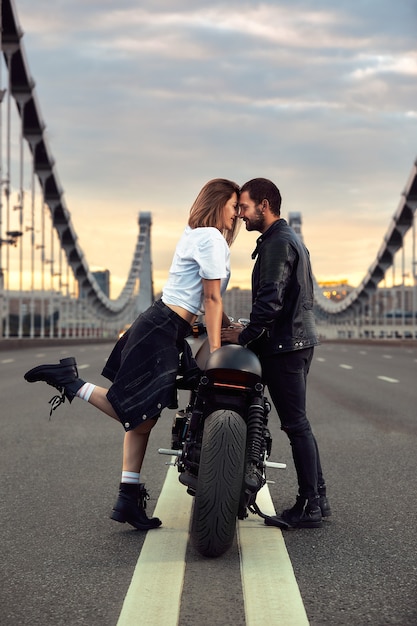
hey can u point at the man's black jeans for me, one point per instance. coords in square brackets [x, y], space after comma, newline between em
[285, 374]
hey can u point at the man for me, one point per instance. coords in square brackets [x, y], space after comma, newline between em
[282, 332]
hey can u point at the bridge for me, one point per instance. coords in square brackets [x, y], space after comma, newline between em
[70, 300]
[363, 306]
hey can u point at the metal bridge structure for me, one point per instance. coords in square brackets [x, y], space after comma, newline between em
[366, 306]
[65, 298]
[75, 303]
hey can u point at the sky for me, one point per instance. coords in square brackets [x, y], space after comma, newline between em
[146, 101]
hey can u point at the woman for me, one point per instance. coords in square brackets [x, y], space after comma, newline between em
[144, 363]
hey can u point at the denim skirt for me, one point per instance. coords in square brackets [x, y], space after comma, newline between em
[143, 366]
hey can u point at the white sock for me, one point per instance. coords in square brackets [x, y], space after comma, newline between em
[132, 478]
[85, 391]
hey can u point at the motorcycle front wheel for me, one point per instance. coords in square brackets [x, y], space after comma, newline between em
[219, 486]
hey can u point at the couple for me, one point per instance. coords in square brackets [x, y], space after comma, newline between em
[144, 363]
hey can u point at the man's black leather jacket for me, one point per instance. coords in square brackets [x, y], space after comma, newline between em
[282, 316]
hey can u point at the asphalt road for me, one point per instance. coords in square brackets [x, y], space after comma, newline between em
[63, 561]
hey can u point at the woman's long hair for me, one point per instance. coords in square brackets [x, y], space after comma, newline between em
[207, 209]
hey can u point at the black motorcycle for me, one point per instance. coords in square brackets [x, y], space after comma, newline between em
[222, 442]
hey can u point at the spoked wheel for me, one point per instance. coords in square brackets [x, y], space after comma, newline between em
[219, 486]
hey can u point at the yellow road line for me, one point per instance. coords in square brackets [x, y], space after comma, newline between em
[270, 589]
[161, 565]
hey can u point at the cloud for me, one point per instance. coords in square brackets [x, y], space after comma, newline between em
[145, 102]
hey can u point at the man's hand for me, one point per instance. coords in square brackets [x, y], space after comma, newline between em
[231, 333]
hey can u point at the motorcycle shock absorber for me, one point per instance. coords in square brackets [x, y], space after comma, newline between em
[254, 478]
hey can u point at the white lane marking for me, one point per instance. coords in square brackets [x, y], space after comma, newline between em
[346, 367]
[8, 361]
[387, 379]
[387, 356]
[84, 366]
[320, 358]
[161, 564]
[270, 589]
[363, 352]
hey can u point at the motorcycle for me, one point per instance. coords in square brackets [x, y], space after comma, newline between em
[221, 442]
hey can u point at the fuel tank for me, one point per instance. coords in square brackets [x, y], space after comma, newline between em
[232, 363]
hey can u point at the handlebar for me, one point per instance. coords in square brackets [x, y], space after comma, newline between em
[200, 329]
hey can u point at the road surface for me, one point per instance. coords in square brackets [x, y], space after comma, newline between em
[63, 561]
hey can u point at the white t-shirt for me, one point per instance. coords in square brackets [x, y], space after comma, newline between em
[200, 253]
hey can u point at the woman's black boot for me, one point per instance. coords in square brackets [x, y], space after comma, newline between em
[130, 507]
[63, 376]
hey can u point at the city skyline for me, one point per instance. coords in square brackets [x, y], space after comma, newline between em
[143, 105]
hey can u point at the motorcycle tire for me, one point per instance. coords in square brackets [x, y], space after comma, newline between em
[219, 486]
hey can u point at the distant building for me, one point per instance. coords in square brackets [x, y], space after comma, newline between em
[295, 221]
[335, 290]
[237, 302]
[392, 301]
[103, 279]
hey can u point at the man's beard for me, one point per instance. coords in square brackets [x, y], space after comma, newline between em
[257, 222]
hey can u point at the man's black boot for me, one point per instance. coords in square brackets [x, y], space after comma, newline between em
[324, 503]
[130, 507]
[304, 514]
[62, 376]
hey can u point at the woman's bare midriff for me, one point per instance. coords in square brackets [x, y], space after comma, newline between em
[186, 315]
